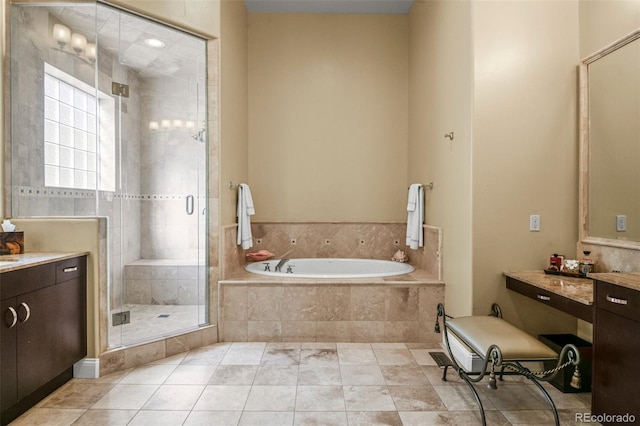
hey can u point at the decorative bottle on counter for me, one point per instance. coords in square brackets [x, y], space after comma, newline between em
[586, 263]
[555, 262]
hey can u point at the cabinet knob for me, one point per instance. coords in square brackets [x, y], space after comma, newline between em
[27, 312]
[13, 319]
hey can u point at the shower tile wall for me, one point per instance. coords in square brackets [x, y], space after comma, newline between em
[173, 167]
[27, 194]
[163, 282]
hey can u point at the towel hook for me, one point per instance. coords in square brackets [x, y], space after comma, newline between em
[448, 135]
[233, 185]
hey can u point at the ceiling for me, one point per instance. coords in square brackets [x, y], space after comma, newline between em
[330, 6]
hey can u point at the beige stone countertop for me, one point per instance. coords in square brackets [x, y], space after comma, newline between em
[13, 262]
[417, 277]
[623, 279]
[578, 289]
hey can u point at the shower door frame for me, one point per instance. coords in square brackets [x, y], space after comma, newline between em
[201, 202]
[99, 273]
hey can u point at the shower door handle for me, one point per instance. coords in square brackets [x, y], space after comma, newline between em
[189, 206]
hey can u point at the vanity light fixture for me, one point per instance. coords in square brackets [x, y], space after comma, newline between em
[154, 42]
[74, 43]
[180, 124]
[78, 43]
[62, 35]
[91, 51]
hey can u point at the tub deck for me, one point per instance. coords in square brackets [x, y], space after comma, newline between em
[418, 277]
[388, 309]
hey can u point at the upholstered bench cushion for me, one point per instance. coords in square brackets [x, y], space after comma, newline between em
[480, 332]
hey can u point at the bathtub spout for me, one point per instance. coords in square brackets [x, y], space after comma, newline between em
[280, 265]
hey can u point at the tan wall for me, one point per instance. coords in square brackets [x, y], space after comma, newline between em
[328, 117]
[604, 21]
[525, 150]
[4, 19]
[504, 84]
[440, 78]
[234, 116]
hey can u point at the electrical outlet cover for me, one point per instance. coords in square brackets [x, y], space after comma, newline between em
[534, 222]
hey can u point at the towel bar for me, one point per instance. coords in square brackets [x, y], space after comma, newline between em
[428, 185]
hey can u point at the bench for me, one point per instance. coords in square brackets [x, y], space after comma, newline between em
[500, 345]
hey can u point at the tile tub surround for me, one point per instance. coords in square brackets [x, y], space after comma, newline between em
[345, 240]
[392, 309]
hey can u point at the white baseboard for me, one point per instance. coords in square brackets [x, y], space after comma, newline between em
[87, 368]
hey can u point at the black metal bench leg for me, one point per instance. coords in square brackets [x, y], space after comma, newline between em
[549, 400]
[444, 373]
[476, 396]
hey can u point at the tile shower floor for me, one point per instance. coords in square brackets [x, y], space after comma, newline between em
[296, 384]
[153, 321]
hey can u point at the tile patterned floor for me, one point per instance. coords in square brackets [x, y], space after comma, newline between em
[296, 384]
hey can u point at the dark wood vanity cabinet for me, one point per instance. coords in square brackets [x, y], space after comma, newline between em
[43, 331]
[616, 374]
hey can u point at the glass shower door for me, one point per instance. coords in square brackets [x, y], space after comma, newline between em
[159, 218]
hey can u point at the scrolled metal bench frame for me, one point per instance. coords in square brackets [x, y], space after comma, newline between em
[493, 357]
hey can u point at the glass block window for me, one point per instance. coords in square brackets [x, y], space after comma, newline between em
[72, 148]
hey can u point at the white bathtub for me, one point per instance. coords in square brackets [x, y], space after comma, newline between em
[331, 268]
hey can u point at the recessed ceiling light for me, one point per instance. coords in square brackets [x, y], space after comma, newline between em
[154, 42]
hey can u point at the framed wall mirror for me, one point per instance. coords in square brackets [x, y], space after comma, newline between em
[610, 145]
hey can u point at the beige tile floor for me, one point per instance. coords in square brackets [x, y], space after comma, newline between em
[296, 384]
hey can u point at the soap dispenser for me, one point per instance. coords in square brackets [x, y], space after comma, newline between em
[586, 263]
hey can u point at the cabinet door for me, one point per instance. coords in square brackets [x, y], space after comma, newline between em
[53, 338]
[8, 353]
[616, 372]
[71, 323]
[37, 335]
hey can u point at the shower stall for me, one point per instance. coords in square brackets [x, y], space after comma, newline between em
[108, 113]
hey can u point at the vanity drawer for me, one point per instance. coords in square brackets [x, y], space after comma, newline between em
[29, 279]
[70, 269]
[618, 300]
[564, 304]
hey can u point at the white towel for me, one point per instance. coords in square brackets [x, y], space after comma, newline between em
[415, 217]
[245, 210]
